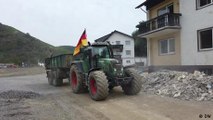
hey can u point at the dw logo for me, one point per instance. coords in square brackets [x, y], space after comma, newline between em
[205, 116]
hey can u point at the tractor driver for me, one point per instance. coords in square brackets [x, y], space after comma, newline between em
[105, 53]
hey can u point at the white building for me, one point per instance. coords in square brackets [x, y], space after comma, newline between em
[196, 32]
[179, 32]
[119, 38]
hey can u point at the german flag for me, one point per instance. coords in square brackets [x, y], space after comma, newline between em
[81, 43]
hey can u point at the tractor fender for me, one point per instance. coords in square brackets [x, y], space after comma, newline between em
[93, 69]
[79, 65]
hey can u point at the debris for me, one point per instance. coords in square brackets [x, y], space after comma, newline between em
[177, 94]
[180, 85]
[14, 94]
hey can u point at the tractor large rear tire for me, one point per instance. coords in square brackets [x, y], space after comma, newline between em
[77, 80]
[134, 86]
[57, 81]
[98, 85]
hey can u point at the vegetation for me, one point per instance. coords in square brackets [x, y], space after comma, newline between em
[140, 45]
[17, 47]
[64, 50]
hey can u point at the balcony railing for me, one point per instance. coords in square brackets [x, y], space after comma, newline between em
[168, 19]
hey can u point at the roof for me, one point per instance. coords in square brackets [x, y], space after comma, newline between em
[149, 3]
[105, 38]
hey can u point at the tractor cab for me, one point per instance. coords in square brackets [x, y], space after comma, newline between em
[95, 54]
[101, 52]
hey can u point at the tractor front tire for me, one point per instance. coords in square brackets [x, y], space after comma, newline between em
[76, 80]
[134, 86]
[98, 85]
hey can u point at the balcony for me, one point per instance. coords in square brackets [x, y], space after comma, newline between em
[164, 24]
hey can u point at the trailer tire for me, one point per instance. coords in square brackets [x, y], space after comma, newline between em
[98, 85]
[134, 86]
[76, 80]
[57, 81]
[50, 77]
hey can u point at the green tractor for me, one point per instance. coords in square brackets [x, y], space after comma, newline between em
[95, 69]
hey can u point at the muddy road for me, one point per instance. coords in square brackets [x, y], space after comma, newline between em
[59, 103]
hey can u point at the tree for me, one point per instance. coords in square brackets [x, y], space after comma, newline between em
[140, 45]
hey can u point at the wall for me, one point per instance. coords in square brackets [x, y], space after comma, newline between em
[123, 38]
[157, 59]
[154, 58]
[191, 21]
[207, 69]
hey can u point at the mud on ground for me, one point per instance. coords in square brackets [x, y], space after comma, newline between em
[13, 105]
[59, 103]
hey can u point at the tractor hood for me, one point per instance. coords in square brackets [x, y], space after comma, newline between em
[111, 67]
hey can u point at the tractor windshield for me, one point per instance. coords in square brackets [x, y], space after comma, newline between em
[101, 51]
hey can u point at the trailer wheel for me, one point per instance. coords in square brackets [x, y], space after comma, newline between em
[98, 85]
[76, 80]
[57, 81]
[50, 77]
[135, 85]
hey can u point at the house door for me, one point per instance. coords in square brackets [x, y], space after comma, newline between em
[167, 9]
[164, 20]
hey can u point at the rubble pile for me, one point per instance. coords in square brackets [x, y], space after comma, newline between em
[181, 85]
[14, 94]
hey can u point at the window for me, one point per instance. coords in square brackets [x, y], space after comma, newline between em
[118, 42]
[127, 42]
[128, 52]
[205, 39]
[101, 51]
[203, 3]
[167, 46]
[128, 61]
[166, 9]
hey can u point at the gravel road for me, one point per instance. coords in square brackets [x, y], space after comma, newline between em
[45, 102]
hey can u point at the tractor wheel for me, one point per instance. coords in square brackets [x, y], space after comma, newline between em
[76, 80]
[98, 85]
[133, 87]
[50, 77]
[57, 81]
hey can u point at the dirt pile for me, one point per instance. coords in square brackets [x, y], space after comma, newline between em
[181, 85]
[14, 94]
[13, 107]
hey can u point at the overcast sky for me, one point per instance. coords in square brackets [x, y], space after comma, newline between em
[61, 22]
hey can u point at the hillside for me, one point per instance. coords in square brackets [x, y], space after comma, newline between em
[64, 50]
[17, 47]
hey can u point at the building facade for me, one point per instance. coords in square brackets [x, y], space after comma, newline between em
[179, 32]
[119, 38]
[196, 32]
